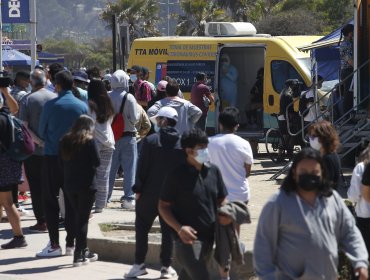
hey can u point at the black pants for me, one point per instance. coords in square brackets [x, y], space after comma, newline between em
[201, 123]
[33, 170]
[363, 225]
[146, 211]
[52, 182]
[194, 259]
[347, 94]
[81, 203]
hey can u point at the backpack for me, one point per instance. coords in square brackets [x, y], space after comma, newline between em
[21, 145]
[153, 93]
[118, 123]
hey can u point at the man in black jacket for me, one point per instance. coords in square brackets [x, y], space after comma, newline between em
[160, 153]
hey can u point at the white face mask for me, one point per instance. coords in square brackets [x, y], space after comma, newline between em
[133, 78]
[315, 144]
[202, 155]
[156, 127]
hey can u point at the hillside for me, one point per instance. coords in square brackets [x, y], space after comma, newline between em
[75, 19]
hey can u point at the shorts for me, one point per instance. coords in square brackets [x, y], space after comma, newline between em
[7, 188]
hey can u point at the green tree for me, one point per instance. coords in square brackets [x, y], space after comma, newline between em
[140, 15]
[293, 22]
[196, 14]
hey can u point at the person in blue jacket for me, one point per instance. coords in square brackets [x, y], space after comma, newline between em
[228, 82]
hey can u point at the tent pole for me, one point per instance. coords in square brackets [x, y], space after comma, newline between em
[33, 33]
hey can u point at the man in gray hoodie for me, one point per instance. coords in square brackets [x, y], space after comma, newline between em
[188, 113]
[125, 153]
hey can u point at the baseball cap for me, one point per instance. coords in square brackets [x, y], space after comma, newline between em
[107, 77]
[167, 112]
[135, 68]
[145, 70]
[162, 85]
[81, 76]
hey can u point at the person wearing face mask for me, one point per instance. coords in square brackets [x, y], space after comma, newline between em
[188, 203]
[228, 82]
[160, 153]
[143, 92]
[324, 138]
[302, 226]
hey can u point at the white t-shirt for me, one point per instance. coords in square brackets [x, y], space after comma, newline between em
[354, 192]
[103, 132]
[311, 115]
[230, 153]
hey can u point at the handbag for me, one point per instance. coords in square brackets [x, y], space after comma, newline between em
[206, 101]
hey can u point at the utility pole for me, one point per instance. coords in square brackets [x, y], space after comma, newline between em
[168, 13]
[114, 42]
[33, 22]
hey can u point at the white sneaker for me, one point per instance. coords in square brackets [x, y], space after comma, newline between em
[128, 204]
[168, 272]
[49, 252]
[22, 212]
[70, 251]
[136, 270]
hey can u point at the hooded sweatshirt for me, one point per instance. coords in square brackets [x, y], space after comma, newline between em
[160, 153]
[188, 113]
[119, 83]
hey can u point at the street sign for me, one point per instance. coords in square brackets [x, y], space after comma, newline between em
[15, 11]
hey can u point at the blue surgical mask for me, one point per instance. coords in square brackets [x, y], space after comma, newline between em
[156, 127]
[202, 155]
[133, 78]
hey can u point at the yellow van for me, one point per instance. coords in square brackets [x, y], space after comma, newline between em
[247, 52]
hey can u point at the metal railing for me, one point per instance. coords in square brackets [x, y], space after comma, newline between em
[341, 121]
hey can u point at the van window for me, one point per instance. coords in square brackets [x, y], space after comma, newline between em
[280, 72]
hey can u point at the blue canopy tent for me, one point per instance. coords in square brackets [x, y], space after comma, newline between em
[326, 53]
[49, 58]
[13, 57]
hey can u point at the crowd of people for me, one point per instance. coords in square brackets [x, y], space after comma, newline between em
[86, 126]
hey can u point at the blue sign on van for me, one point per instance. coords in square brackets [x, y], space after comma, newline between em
[15, 11]
[184, 72]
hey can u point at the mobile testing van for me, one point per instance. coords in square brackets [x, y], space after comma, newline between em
[246, 51]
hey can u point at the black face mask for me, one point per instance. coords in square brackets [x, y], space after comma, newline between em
[309, 182]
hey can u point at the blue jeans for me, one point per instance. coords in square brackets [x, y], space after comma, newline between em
[125, 154]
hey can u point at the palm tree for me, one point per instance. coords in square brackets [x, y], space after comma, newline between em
[248, 10]
[196, 14]
[140, 15]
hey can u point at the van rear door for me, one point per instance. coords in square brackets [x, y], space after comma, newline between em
[235, 77]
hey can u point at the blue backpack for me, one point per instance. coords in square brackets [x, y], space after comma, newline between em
[21, 144]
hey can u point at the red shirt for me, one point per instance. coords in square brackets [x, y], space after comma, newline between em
[199, 90]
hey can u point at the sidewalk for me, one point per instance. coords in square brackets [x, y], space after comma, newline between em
[22, 263]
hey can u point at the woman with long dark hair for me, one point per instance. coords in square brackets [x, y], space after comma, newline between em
[80, 159]
[301, 227]
[102, 111]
